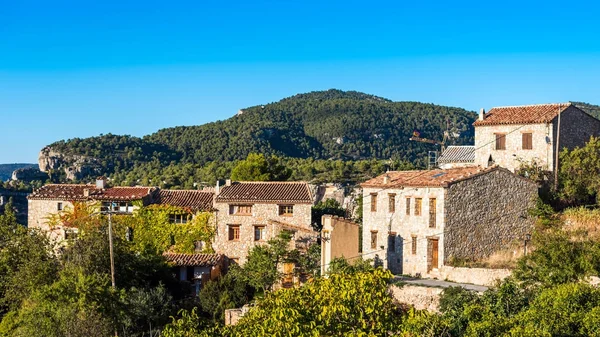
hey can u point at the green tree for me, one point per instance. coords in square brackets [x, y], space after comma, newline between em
[257, 167]
[329, 206]
[580, 173]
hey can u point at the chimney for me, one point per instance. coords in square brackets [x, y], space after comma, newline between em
[481, 114]
[86, 192]
[101, 183]
[386, 179]
[218, 187]
[228, 182]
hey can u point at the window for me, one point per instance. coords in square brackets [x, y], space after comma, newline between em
[408, 206]
[198, 246]
[59, 206]
[392, 242]
[391, 202]
[373, 239]
[414, 245]
[418, 202]
[178, 218]
[432, 212]
[240, 209]
[259, 233]
[500, 141]
[234, 232]
[113, 206]
[527, 141]
[373, 202]
[286, 210]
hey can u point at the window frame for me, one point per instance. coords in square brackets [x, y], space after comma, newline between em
[391, 202]
[374, 239]
[500, 145]
[178, 219]
[408, 205]
[527, 140]
[432, 212]
[231, 232]
[282, 210]
[59, 206]
[373, 202]
[413, 244]
[418, 206]
[234, 209]
[262, 230]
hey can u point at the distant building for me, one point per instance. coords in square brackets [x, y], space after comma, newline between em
[339, 238]
[457, 156]
[415, 222]
[250, 213]
[197, 269]
[505, 135]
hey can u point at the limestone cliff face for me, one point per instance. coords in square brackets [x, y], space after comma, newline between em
[75, 167]
[28, 174]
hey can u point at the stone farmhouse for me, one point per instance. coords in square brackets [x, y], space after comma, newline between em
[505, 135]
[197, 269]
[250, 213]
[415, 222]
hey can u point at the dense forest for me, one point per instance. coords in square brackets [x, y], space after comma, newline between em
[325, 125]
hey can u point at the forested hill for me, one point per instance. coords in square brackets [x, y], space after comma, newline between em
[330, 124]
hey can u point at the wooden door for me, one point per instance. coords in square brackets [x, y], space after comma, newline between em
[288, 274]
[433, 261]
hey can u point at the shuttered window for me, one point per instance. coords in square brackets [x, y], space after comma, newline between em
[527, 141]
[418, 203]
[500, 141]
[414, 245]
[391, 202]
[373, 202]
[407, 206]
[373, 239]
[432, 212]
[234, 232]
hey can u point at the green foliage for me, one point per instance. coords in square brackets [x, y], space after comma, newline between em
[227, 292]
[339, 265]
[580, 173]
[257, 167]
[329, 206]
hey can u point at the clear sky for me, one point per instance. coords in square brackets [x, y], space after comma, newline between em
[82, 68]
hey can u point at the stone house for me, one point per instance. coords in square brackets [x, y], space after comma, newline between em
[415, 222]
[339, 238]
[505, 135]
[250, 213]
[51, 199]
[197, 269]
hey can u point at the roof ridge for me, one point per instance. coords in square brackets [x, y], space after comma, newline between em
[460, 146]
[186, 191]
[531, 105]
[268, 182]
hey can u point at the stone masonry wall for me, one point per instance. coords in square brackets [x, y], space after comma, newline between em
[576, 128]
[479, 276]
[262, 214]
[384, 224]
[485, 145]
[422, 298]
[38, 213]
[486, 213]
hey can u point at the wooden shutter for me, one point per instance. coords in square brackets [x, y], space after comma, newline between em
[527, 141]
[418, 203]
[432, 212]
[500, 141]
[392, 202]
[407, 206]
[374, 202]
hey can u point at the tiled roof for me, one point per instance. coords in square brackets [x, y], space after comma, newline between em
[427, 178]
[458, 154]
[524, 114]
[192, 199]
[75, 192]
[267, 192]
[194, 260]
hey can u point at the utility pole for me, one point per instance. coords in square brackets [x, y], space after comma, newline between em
[110, 247]
[557, 148]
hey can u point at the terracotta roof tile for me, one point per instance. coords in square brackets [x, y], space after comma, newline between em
[525, 114]
[76, 192]
[194, 260]
[267, 192]
[193, 199]
[426, 178]
[458, 154]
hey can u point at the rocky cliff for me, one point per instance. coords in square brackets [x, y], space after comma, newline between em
[74, 167]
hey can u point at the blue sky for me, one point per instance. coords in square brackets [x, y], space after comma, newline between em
[75, 69]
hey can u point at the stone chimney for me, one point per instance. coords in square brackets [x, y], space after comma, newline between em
[482, 114]
[386, 179]
[218, 187]
[228, 182]
[86, 192]
[101, 183]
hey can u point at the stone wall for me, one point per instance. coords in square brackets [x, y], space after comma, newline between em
[262, 215]
[486, 213]
[542, 141]
[422, 298]
[576, 128]
[233, 316]
[401, 228]
[479, 276]
[38, 213]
